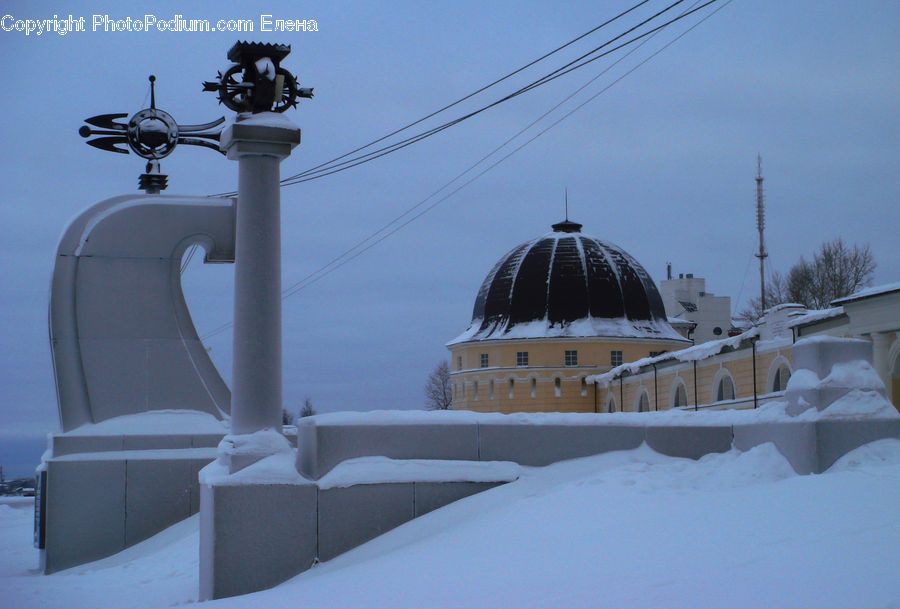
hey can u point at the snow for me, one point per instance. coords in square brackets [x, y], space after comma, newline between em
[587, 327]
[858, 374]
[869, 292]
[274, 469]
[267, 119]
[860, 404]
[628, 529]
[803, 379]
[690, 354]
[813, 316]
[771, 411]
[153, 422]
[263, 442]
[375, 470]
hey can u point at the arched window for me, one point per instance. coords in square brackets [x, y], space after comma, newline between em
[779, 374]
[533, 388]
[679, 397]
[491, 389]
[512, 388]
[557, 389]
[782, 376]
[725, 389]
[583, 387]
[643, 404]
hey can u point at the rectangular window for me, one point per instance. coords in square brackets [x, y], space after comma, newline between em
[459, 362]
[484, 360]
[571, 358]
[522, 358]
[615, 358]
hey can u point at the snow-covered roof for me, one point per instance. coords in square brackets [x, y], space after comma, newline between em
[567, 284]
[876, 290]
[691, 354]
[814, 316]
[582, 328]
[681, 321]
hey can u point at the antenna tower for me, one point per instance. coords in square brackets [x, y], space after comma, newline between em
[761, 227]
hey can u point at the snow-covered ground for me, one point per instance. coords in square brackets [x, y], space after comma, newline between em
[624, 530]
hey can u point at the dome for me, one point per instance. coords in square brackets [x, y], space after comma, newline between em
[568, 284]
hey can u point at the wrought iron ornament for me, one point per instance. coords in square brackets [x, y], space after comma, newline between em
[257, 82]
[151, 134]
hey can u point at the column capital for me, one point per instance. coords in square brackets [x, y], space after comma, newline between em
[263, 134]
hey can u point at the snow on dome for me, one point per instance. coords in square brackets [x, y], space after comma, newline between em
[568, 284]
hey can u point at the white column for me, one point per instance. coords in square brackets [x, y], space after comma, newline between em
[258, 143]
[881, 352]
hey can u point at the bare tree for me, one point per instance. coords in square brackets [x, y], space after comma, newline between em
[836, 270]
[437, 389]
[776, 293]
[307, 410]
[286, 417]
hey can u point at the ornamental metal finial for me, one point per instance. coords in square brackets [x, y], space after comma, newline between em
[151, 134]
[264, 86]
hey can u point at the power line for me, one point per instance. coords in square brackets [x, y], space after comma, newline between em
[297, 287]
[331, 167]
[344, 258]
[479, 90]
[558, 72]
[290, 290]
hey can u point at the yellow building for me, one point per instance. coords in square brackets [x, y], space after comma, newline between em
[754, 367]
[551, 312]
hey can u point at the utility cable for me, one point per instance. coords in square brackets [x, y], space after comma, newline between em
[565, 69]
[319, 274]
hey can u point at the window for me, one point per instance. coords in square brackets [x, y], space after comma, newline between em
[459, 362]
[782, 376]
[644, 402]
[725, 390]
[491, 390]
[522, 358]
[615, 358]
[475, 390]
[512, 389]
[611, 404]
[484, 360]
[557, 390]
[533, 388]
[717, 331]
[656, 353]
[680, 397]
[571, 358]
[583, 387]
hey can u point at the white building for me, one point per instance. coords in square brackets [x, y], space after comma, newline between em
[686, 298]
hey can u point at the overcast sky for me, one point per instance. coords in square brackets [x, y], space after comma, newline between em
[661, 164]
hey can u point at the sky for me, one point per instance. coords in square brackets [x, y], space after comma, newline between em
[662, 163]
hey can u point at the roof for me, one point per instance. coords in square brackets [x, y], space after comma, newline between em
[815, 316]
[871, 292]
[690, 354]
[565, 284]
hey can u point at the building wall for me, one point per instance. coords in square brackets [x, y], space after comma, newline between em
[534, 386]
[712, 312]
[738, 364]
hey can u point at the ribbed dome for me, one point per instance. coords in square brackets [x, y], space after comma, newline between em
[566, 283]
